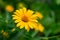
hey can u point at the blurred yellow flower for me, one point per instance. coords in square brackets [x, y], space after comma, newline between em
[5, 34]
[28, 19]
[21, 5]
[9, 8]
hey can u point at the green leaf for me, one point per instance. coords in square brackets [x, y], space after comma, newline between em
[19, 34]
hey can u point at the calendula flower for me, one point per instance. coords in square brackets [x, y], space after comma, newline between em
[27, 19]
[9, 8]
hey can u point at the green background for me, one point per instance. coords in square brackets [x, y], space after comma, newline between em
[51, 21]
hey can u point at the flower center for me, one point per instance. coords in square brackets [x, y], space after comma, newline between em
[25, 18]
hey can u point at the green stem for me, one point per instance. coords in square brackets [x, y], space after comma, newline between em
[49, 37]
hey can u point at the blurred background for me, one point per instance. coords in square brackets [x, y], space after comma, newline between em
[51, 21]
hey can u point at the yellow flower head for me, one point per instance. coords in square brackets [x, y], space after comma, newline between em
[28, 19]
[9, 8]
[5, 34]
[21, 5]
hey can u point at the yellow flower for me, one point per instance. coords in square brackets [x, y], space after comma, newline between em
[28, 19]
[9, 8]
[5, 34]
[21, 5]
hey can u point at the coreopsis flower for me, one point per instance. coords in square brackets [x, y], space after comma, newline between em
[28, 19]
[9, 8]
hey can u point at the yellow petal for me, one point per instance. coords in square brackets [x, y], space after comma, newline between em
[22, 23]
[34, 16]
[24, 10]
[36, 28]
[17, 14]
[13, 15]
[16, 21]
[32, 20]
[21, 12]
[22, 26]
[32, 25]
[39, 15]
[41, 28]
[29, 13]
[17, 11]
[16, 17]
[27, 27]
[18, 24]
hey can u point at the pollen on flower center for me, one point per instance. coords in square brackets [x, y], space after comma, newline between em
[25, 19]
